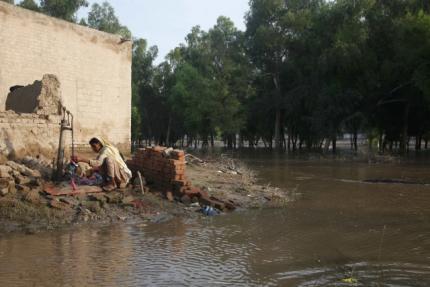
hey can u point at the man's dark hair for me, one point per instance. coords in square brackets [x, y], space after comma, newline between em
[94, 141]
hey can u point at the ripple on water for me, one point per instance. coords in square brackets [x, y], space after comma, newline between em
[316, 241]
[359, 274]
[215, 253]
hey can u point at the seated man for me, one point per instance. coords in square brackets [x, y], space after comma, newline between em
[109, 163]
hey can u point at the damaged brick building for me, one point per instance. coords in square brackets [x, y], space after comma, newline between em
[47, 63]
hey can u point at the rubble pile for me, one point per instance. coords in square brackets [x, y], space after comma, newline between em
[30, 124]
[164, 170]
[27, 195]
[18, 177]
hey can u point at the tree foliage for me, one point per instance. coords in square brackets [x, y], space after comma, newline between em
[102, 17]
[30, 4]
[64, 9]
[302, 74]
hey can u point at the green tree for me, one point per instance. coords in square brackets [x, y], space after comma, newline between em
[268, 50]
[64, 9]
[144, 102]
[102, 17]
[194, 96]
[311, 70]
[229, 70]
[29, 4]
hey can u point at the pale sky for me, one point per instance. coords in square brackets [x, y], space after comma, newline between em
[165, 23]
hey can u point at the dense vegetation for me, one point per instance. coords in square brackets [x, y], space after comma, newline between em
[303, 73]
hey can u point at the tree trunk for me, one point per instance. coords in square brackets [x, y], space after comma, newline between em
[241, 140]
[294, 140]
[278, 129]
[404, 140]
[205, 141]
[418, 140]
[326, 144]
[168, 131]
[284, 140]
[334, 141]
[234, 141]
[354, 145]
[278, 117]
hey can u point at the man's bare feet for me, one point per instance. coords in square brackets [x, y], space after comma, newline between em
[109, 187]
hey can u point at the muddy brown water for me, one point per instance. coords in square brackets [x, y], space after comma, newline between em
[339, 232]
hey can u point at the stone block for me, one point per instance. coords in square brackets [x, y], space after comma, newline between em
[6, 186]
[70, 201]
[22, 188]
[185, 199]
[113, 197]
[22, 180]
[32, 196]
[128, 200]
[5, 171]
[57, 204]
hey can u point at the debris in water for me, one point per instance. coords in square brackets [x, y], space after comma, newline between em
[209, 211]
[350, 280]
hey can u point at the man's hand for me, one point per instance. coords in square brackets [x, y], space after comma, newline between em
[77, 159]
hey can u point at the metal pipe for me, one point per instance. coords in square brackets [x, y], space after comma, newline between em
[66, 125]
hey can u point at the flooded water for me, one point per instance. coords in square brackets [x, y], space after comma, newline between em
[339, 232]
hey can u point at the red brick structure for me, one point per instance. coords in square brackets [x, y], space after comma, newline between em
[164, 170]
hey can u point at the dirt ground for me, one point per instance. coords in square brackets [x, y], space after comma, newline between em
[230, 179]
[31, 210]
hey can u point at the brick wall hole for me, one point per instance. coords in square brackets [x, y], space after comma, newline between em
[24, 99]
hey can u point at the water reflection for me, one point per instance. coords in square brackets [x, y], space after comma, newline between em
[53, 259]
[340, 229]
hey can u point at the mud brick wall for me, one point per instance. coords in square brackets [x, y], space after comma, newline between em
[164, 172]
[29, 134]
[93, 67]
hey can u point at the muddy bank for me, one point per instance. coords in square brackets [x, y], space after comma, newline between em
[28, 208]
[230, 179]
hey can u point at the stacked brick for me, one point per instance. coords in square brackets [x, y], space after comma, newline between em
[164, 170]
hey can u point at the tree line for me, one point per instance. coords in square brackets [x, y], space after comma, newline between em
[303, 73]
[101, 16]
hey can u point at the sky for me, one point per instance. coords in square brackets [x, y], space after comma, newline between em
[165, 23]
